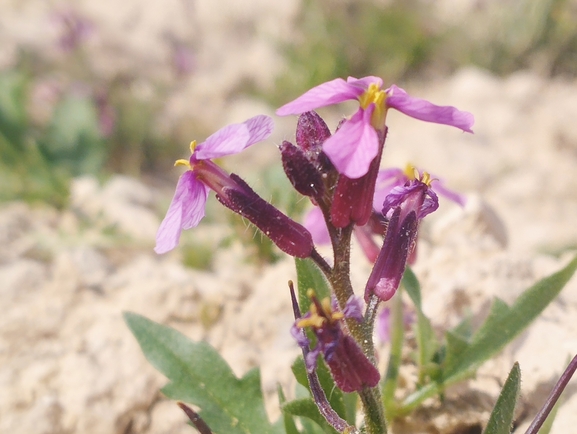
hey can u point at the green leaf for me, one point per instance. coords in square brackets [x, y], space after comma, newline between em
[200, 376]
[456, 345]
[412, 286]
[426, 341]
[504, 323]
[501, 419]
[74, 139]
[13, 118]
[307, 408]
[309, 276]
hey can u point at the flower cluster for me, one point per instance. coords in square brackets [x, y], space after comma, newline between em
[340, 174]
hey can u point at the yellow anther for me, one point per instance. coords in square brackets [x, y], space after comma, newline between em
[182, 162]
[374, 95]
[192, 146]
[411, 172]
[426, 179]
[314, 320]
[335, 316]
[326, 304]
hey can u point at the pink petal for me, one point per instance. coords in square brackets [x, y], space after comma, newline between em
[387, 179]
[352, 148]
[226, 141]
[331, 92]
[425, 111]
[185, 211]
[316, 225]
[440, 188]
[259, 128]
[234, 138]
[365, 82]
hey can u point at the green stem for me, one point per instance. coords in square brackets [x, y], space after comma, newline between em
[375, 422]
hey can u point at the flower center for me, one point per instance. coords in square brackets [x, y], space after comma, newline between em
[183, 162]
[374, 95]
[321, 313]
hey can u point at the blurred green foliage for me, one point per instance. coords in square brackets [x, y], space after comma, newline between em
[403, 39]
[37, 161]
[530, 34]
[356, 38]
[92, 124]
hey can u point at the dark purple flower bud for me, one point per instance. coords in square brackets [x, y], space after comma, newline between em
[311, 133]
[301, 172]
[405, 206]
[392, 260]
[288, 235]
[353, 198]
[349, 366]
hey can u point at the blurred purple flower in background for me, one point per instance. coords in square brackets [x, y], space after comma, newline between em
[74, 29]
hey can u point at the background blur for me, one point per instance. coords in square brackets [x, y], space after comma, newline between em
[100, 87]
[99, 98]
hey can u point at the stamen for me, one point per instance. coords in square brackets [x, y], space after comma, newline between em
[411, 172]
[182, 162]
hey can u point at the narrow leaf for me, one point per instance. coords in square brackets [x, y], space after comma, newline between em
[412, 286]
[307, 408]
[200, 376]
[334, 395]
[505, 323]
[501, 419]
[426, 341]
[309, 276]
[289, 423]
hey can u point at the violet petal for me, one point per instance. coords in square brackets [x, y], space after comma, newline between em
[424, 110]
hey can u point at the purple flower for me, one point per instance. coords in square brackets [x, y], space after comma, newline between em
[356, 143]
[383, 325]
[387, 179]
[404, 206]
[187, 206]
[74, 29]
[349, 366]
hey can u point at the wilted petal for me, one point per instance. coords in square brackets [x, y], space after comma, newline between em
[352, 148]
[387, 179]
[424, 110]
[185, 211]
[331, 92]
[353, 308]
[430, 204]
[350, 368]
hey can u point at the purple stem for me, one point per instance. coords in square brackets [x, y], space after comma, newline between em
[553, 398]
[195, 418]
